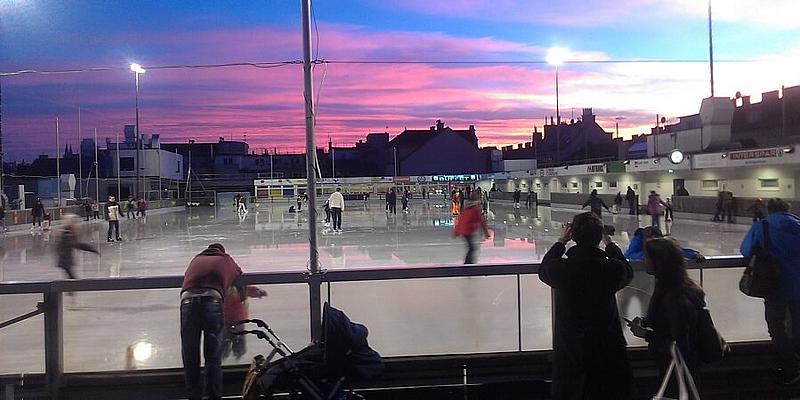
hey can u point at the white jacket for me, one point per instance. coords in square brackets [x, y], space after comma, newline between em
[336, 200]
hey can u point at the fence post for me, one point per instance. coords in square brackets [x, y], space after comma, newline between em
[53, 342]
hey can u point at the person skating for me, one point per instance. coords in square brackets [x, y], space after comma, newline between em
[130, 208]
[595, 203]
[327, 208]
[142, 207]
[113, 215]
[517, 195]
[484, 200]
[37, 212]
[467, 225]
[95, 209]
[391, 201]
[336, 202]
[69, 240]
[668, 215]
[655, 207]
[617, 203]
[87, 209]
[529, 199]
[404, 200]
[630, 197]
[207, 279]
[3, 217]
[456, 204]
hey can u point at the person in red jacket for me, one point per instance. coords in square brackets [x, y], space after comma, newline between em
[468, 222]
[235, 309]
[205, 283]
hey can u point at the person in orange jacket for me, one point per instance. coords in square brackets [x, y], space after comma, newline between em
[468, 222]
[234, 310]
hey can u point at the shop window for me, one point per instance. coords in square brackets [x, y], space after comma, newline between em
[710, 184]
[598, 185]
[612, 184]
[574, 185]
[770, 184]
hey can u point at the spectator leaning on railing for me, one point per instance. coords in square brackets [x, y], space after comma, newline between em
[784, 242]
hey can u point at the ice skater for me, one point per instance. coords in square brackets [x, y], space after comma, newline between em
[142, 207]
[68, 241]
[517, 195]
[404, 201]
[113, 215]
[468, 223]
[327, 209]
[95, 209]
[130, 208]
[336, 202]
[37, 212]
[595, 203]
[391, 202]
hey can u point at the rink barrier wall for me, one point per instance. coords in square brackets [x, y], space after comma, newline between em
[52, 293]
[23, 217]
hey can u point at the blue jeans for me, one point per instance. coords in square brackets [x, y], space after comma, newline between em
[202, 314]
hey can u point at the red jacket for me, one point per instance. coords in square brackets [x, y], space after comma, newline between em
[235, 307]
[211, 269]
[469, 220]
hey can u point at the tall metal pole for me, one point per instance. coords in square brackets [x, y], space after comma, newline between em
[58, 163]
[710, 49]
[138, 138]
[2, 160]
[558, 122]
[96, 170]
[80, 155]
[119, 168]
[315, 278]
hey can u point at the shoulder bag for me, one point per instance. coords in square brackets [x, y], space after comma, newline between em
[762, 276]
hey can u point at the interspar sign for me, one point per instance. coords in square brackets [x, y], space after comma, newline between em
[753, 154]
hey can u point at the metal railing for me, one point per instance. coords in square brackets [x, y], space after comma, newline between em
[52, 293]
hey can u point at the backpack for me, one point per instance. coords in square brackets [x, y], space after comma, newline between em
[762, 276]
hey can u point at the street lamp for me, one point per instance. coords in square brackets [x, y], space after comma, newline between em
[137, 69]
[556, 57]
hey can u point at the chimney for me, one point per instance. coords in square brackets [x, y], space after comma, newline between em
[551, 120]
[745, 100]
[439, 125]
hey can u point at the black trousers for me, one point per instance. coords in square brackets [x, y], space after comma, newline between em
[783, 323]
[393, 208]
[471, 247]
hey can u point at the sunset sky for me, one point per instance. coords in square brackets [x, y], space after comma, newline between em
[756, 43]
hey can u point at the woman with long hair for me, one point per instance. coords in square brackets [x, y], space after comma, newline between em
[673, 312]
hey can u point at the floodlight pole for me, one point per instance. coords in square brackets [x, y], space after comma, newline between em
[315, 277]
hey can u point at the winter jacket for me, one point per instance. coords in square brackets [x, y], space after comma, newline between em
[784, 240]
[594, 203]
[38, 210]
[655, 206]
[336, 200]
[235, 307]
[618, 199]
[113, 212]
[674, 318]
[66, 244]
[211, 269]
[589, 350]
[630, 196]
[469, 220]
[635, 251]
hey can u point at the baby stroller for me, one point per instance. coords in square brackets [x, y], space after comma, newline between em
[318, 371]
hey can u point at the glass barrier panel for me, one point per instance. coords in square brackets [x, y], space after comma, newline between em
[140, 329]
[434, 316]
[21, 344]
[736, 316]
[284, 309]
[537, 306]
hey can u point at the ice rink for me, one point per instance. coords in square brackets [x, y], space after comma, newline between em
[269, 238]
[407, 317]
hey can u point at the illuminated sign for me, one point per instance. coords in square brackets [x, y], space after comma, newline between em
[596, 169]
[753, 154]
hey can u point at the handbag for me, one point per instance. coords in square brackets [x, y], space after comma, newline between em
[762, 276]
[686, 386]
[713, 346]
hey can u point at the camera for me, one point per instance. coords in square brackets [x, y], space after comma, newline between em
[609, 230]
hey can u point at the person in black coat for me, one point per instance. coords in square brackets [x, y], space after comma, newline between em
[630, 197]
[589, 350]
[673, 312]
[595, 203]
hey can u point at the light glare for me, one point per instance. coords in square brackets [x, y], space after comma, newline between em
[137, 68]
[557, 55]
